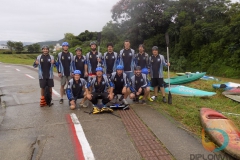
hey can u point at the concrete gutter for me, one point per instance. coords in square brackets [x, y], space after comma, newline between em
[2, 107]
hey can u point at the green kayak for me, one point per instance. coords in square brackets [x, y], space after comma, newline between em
[185, 78]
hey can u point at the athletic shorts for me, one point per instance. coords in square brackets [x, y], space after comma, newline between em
[65, 79]
[157, 82]
[117, 91]
[46, 82]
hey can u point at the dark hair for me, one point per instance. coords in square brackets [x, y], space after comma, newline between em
[127, 41]
[109, 44]
[141, 45]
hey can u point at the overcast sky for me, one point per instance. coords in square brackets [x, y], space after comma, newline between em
[42, 20]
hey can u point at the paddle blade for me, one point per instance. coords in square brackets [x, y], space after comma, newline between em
[167, 38]
[169, 98]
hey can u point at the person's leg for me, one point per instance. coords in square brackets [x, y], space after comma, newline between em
[125, 95]
[154, 84]
[132, 96]
[161, 85]
[105, 98]
[63, 83]
[94, 99]
[146, 93]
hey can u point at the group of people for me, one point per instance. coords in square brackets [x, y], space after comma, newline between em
[103, 76]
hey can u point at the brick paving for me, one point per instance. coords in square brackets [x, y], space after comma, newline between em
[146, 143]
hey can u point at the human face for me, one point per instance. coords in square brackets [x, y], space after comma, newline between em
[76, 77]
[78, 53]
[126, 45]
[119, 72]
[155, 52]
[99, 73]
[45, 51]
[65, 48]
[110, 49]
[138, 72]
[93, 47]
[141, 50]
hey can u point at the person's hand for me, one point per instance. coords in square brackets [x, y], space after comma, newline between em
[85, 74]
[137, 93]
[52, 61]
[168, 64]
[110, 96]
[72, 102]
[89, 96]
[60, 75]
[36, 62]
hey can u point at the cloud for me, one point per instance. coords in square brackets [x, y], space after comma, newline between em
[40, 20]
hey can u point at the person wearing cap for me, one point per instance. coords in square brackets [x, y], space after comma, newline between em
[65, 67]
[126, 57]
[93, 60]
[145, 71]
[141, 58]
[110, 60]
[80, 63]
[120, 83]
[138, 86]
[45, 63]
[75, 88]
[156, 63]
[98, 87]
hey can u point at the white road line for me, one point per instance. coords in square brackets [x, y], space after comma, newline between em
[29, 76]
[87, 151]
[55, 92]
[17, 69]
[7, 66]
[16, 99]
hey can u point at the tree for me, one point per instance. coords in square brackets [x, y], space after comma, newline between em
[18, 46]
[10, 45]
[36, 47]
[30, 48]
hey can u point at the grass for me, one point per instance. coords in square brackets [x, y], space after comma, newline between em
[186, 109]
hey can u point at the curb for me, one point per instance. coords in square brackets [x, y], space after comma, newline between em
[2, 108]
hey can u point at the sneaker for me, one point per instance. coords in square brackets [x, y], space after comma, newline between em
[140, 97]
[153, 98]
[164, 100]
[121, 98]
[143, 102]
[61, 101]
[115, 98]
[150, 99]
[125, 102]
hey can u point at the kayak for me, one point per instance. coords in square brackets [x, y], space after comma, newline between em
[182, 74]
[234, 97]
[222, 131]
[234, 91]
[209, 78]
[185, 78]
[187, 91]
[226, 86]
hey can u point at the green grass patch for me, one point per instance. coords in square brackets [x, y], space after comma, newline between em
[186, 109]
[26, 59]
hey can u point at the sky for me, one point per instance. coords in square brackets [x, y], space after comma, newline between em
[44, 20]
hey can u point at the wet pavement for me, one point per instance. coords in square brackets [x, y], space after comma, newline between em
[28, 131]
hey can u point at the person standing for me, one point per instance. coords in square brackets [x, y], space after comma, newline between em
[45, 63]
[75, 88]
[110, 60]
[65, 67]
[141, 58]
[93, 60]
[126, 56]
[80, 63]
[156, 63]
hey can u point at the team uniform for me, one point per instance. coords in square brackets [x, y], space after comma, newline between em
[156, 64]
[79, 64]
[45, 70]
[110, 61]
[74, 89]
[127, 61]
[92, 62]
[142, 60]
[65, 66]
[119, 82]
[99, 89]
[138, 82]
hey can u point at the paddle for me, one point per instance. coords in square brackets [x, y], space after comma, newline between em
[99, 42]
[169, 87]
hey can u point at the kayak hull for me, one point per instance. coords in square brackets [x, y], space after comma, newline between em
[234, 97]
[226, 86]
[234, 91]
[221, 130]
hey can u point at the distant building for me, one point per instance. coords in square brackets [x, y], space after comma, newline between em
[4, 46]
[58, 47]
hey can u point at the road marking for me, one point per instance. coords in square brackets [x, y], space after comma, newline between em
[17, 69]
[7, 66]
[82, 147]
[16, 99]
[29, 76]
[55, 93]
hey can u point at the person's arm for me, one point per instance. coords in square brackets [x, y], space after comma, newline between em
[69, 91]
